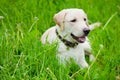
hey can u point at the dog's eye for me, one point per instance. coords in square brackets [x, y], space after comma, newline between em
[74, 20]
[85, 19]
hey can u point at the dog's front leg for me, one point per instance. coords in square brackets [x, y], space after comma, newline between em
[81, 60]
[94, 25]
[87, 50]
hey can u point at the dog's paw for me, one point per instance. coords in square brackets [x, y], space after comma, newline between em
[98, 24]
[1, 17]
[84, 65]
[91, 57]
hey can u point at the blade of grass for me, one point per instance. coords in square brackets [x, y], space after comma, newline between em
[35, 21]
[51, 74]
[108, 21]
[87, 73]
[21, 55]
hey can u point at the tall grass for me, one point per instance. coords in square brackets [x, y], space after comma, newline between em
[23, 57]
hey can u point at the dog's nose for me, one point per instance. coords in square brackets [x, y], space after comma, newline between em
[86, 31]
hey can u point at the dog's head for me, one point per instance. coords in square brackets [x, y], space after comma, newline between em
[73, 22]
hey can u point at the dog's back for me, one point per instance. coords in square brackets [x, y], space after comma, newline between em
[49, 36]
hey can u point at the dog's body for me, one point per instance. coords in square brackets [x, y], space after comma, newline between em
[70, 33]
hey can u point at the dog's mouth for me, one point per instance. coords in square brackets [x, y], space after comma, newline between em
[81, 39]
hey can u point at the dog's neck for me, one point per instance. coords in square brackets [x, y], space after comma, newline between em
[65, 41]
[64, 33]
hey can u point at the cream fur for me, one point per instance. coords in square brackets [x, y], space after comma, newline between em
[65, 27]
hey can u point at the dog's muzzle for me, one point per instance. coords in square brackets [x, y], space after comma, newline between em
[81, 39]
[86, 31]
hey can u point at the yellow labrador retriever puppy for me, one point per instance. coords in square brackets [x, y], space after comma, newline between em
[71, 32]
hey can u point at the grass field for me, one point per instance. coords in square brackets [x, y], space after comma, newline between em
[23, 57]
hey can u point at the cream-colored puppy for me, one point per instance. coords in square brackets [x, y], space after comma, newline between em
[71, 32]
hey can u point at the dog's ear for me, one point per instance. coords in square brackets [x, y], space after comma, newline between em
[59, 18]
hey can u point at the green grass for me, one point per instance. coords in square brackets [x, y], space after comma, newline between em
[23, 57]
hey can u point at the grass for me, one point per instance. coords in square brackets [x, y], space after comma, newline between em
[23, 57]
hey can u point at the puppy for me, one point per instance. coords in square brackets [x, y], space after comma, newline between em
[71, 32]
